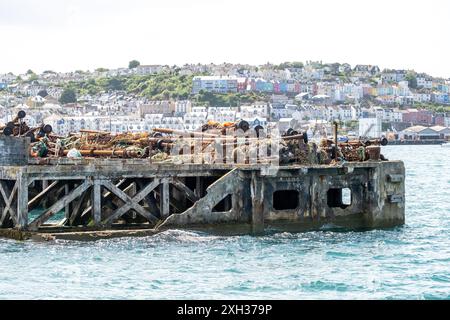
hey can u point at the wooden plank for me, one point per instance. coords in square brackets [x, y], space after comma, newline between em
[139, 197]
[8, 203]
[67, 208]
[116, 191]
[3, 192]
[59, 205]
[2, 204]
[76, 208]
[146, 214]
[106, 196]
[33, 203]
[150, 200]
[182, 187]
[131, 203]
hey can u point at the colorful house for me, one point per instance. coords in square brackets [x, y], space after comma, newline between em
[283, 87]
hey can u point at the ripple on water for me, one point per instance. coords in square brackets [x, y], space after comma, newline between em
[410, 262]
[327, 286]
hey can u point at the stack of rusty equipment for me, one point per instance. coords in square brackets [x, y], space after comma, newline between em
[244, 145]
[363, 150]
[19, 128]
[89, 143]
[353, 150]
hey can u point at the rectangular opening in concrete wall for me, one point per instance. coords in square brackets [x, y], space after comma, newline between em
[225, 205]
[339, 198]
[286, 199]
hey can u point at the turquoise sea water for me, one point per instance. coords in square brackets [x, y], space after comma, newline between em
[410, 262]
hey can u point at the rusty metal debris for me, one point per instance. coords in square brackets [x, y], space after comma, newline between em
[215, 143]
[19, 128]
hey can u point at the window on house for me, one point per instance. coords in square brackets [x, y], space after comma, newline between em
[339, 198]
[285, 199]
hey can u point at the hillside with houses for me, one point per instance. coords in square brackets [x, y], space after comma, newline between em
[402, 104]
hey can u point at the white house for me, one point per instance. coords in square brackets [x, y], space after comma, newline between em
[277, 112]
[425, 82]
[194, 120]
[345, 113]
[255, 110]
[356, 112]
[148, 69]
[222, 114]
[183, 106]
[421, 97]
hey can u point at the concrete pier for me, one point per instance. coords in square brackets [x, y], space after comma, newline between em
[101, 198]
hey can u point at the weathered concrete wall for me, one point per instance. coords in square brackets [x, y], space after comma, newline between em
[377, 197]
[202, 211]
[385, 205]
[14, 151]
[305, 196]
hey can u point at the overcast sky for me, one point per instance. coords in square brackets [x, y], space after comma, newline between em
[87, 34]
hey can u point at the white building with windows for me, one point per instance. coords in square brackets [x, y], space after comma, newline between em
[424, 82]
[421, 97]
[255, 110]
[217, 84]
[148, 69]
[183, 106]
[388, 114]
[194, 120]
[222, 114]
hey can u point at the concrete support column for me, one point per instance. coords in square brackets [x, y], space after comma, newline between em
[97, 203]
[257, 194]
[165, 198]
[44, 201]
[199, 187]
[22, 202]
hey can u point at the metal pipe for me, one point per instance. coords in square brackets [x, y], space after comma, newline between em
[95, 132]
[109, 153]
[191, 133]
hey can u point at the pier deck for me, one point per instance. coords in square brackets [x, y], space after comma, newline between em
[123, 196]
[98, 198]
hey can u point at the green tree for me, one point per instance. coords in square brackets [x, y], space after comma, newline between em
[33, 77]
[133, 64]
[115, 84]
[412, 80]
[29, 72]
[68, 96]
[101, 70]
